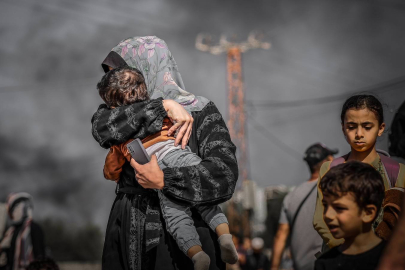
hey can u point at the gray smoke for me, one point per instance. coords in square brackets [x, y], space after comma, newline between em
[50, 53]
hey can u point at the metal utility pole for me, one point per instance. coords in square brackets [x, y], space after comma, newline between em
[236, 122]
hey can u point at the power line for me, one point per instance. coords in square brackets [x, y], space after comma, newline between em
[274, 139]
[377, 88]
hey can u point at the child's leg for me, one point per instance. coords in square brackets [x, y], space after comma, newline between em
[218, 222]
[180, 225]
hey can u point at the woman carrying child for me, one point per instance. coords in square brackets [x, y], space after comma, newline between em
[135, 236]
[362, 120]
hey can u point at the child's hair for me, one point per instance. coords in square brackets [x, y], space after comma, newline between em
[122, 86]
[369, 102]
[356, 177]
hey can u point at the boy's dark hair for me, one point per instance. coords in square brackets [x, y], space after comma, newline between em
[122, 86]
[43, 263]
[369, 102]
[360, 178]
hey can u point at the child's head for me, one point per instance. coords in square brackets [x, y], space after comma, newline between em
[122, 86]
[362, 121]
[353, 193]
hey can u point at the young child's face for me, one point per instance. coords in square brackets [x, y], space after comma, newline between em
[361, 129]
[342, 215]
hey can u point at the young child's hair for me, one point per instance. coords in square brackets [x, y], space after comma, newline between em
[369, 102]
[356, 177]
[122, 86]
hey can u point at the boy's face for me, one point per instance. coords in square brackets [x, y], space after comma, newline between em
[361, 129]
[343, 216]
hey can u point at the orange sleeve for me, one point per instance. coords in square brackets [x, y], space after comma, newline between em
[114, 161]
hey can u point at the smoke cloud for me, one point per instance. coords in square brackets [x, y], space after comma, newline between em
[50, 63]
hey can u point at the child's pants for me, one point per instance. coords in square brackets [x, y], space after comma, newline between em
[178, 217]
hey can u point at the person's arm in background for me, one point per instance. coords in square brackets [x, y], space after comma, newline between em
[318, 222]
[115, 126]
[394, 255]
[279, 244]
[281, 236]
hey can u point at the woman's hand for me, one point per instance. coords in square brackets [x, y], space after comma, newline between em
[181, 120]
[149, 175]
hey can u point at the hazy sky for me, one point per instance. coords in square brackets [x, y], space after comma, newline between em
[51, 51]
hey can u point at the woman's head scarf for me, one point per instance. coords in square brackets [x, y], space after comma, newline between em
[19, 207]
[152, 57]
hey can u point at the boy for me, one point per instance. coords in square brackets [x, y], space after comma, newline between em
[353, 195]
[124, 86]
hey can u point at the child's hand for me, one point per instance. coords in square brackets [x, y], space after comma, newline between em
[149, 175]
[182, 121]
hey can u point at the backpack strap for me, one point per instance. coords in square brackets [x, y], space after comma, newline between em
[339, 160]
[391, 167]
[300, 206]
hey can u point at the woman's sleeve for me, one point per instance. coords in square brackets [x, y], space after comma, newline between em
[115, 126]
[213, 180]
[319, 224]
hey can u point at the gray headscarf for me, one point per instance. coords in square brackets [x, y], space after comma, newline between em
[152, 57]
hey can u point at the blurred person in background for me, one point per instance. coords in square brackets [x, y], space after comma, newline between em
[3, 218]
[247, 244]
[257, 260]
[394, 255]
[297, 214]
[23, 239]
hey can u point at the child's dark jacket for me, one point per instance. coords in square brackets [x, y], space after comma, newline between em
[336, 260]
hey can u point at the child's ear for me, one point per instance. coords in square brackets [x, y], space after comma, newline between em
[369, 213]
[344, 132]
[381, 129]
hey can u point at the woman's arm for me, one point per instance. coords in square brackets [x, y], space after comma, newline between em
[115, 126]
[213, 180]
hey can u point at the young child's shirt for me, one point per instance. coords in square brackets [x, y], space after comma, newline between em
[319, 223]
[335, 259]
[119, 154]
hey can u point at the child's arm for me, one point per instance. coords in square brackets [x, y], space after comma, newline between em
[115, 126]
[114, 161]
[319, 224]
